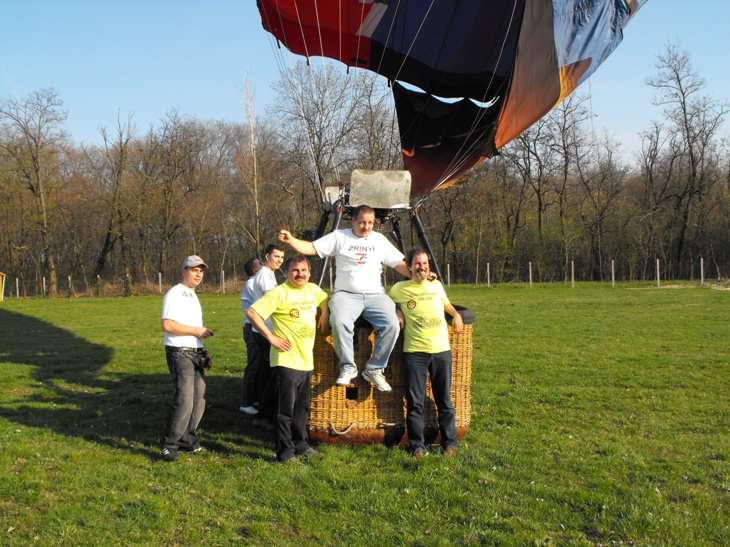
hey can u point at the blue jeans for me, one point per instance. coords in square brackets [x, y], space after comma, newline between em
[378, 310]
[418, 366]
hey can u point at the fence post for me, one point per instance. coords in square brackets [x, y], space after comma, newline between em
[223, 281]
[159, 281]
[529, 268]
[489, 279]
[17, 288]
[572, 274]
[702, 272]
[613, 273]
[448, 274]
[71, 291]
[44, 285]
[658, 282]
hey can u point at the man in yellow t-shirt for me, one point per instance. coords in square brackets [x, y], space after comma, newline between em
[426, 351]
[292, 307]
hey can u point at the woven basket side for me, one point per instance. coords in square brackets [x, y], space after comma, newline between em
[367, 415]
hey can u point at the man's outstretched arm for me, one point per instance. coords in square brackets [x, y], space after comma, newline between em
[299, 245]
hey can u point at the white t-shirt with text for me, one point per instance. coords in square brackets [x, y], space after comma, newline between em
[181, 304]
[358, 260]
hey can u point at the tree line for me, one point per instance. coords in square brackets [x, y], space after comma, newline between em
[136, 204]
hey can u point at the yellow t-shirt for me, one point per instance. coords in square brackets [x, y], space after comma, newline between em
[293, 312]
[422, 305]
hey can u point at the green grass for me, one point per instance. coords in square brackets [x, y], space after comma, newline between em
[600, 416]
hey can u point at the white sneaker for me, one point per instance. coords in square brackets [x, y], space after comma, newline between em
[377, 378]
[250, 410]
[346, 377]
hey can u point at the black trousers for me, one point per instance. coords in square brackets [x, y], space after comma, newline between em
[256, 386]
[293, 397]
[418, 366]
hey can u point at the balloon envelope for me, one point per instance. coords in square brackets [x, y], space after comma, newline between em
[509, 62]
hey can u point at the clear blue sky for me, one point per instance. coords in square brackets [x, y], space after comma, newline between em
[148, 57]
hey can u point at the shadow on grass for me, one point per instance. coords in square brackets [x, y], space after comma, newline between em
[68, 395]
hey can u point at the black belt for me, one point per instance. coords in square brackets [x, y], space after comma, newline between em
[176, 348]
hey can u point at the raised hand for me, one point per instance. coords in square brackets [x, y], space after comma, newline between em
[285, 236]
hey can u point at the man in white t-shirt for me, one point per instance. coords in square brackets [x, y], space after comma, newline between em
[257, 379]
[187, 359]
[359, 257]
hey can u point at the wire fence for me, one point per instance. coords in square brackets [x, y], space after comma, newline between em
[218, 283]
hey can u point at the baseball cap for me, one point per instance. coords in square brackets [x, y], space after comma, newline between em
[192, 261]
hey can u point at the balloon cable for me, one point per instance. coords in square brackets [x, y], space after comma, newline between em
[319, 30]
[413, 42]
[359, 36]
[458, 162]
[387, 39]
[301, 29]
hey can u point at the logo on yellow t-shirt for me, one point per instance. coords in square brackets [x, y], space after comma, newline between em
[294, 313]
[411, 304]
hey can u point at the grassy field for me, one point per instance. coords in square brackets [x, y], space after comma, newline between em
[600, 416]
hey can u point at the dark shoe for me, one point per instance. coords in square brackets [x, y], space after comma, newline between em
[449, 451]
[419, 453]
[291, 459]
[262, 423]
[169, 454]
[195, 448]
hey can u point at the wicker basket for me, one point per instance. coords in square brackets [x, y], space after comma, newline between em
[362, 414]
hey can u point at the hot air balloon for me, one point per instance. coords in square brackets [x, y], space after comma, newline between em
[468, 76]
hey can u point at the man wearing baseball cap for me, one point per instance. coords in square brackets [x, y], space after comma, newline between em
[187, 359]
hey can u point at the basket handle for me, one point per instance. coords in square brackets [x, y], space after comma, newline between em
[336, 433]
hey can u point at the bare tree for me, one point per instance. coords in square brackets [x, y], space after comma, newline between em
[112, 172]
[566, 123]
[170, 168]
[318, 112]
[601, 178]
[532, 157]
[511, 193]
[693, 122]
[375, 137]
[32, 138]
